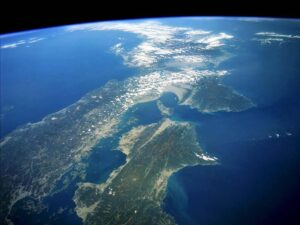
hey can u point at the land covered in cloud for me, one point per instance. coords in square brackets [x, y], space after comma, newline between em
[164, 46]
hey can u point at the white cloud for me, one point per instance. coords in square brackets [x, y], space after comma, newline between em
[192, 33]
[271, 37]
[186, 61]
[265, 41]
[256, 19]
[141, 59]
[151, 30]
[278, 35]
[118, 49]
[205, 157]
[34, 40]
[214, 41]
[162, 45]
[278, 135]
[14, 44]
[193, 59]
[22, 42]
[151, 85]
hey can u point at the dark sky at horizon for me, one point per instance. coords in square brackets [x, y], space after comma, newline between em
[26, 16]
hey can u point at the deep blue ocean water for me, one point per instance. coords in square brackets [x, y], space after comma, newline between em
[257, 180]
[56, 72]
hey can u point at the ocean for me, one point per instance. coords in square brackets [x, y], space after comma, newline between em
[256, 182]
[258, 178]
[51, 74]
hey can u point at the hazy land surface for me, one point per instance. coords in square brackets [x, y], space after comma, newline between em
[37, 155]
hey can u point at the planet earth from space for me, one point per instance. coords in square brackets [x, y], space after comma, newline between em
[187, 120]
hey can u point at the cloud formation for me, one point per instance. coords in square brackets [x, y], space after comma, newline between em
[271, 37]
[164, 46]
[25, 42]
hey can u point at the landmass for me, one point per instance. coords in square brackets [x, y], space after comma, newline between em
[211, 96]
[36, 156]
[134, 194]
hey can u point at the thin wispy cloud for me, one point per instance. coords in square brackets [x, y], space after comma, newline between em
[255, 19]
[272, 37]
[23, 42]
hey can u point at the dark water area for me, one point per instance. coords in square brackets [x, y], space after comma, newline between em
[266, 73]
[258, 179]
[169, 99]
[257, 182]
[144, 113]
[58, 208]
[103, 160]
[240, 27]
[147, 113]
